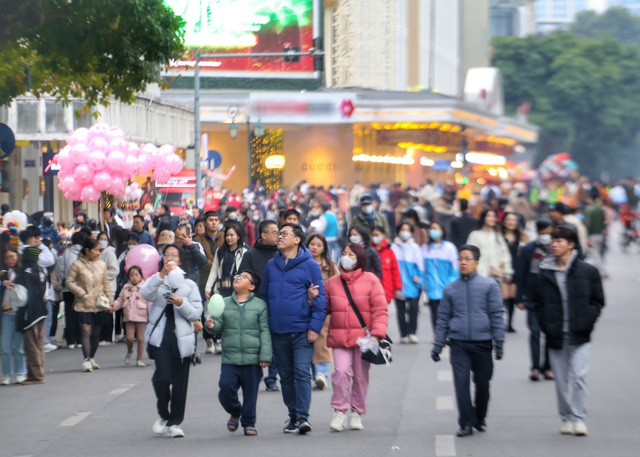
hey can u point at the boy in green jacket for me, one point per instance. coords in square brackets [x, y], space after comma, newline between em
[246, 349]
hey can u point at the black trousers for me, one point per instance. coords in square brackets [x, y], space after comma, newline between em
[407, 308]
[55, 309]
[170, 381]
[71, 327]
[467, 357]
[233, 378]
[433, 305]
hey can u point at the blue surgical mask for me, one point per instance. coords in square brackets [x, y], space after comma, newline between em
[435, 234]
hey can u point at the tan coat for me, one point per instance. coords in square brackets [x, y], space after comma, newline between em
[86, 280]
[321, 353]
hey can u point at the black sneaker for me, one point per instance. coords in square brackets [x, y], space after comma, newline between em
[291, 426]
[303, 427]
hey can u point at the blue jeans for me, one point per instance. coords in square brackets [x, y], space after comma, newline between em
[321, 368]
[271, 380]
[13, 361]
[47, 325]
[294, 354]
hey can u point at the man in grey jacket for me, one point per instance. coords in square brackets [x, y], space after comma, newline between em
[470, 321]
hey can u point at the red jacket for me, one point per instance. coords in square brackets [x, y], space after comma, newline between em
[391, 280]
[249, 232]
[368, 295]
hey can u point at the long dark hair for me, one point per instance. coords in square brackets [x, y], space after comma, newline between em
[325, 251]
[518, 231]
[366, 238]
[239, 229]
[483, 216]
[88, 245]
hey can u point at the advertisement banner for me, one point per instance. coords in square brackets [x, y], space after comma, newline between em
[243, 27]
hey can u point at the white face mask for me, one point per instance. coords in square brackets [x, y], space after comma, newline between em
[545, 239]
[367, 209]
[103, 244]
[355, 239]
[221, 228]
[376, 239]
[405, 236]
[347, 262]
[256, 218]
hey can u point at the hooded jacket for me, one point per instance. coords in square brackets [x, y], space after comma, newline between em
[28, 297]
[391, 280]
[246, 339]
[470, 310]
[135, 308]
[525, 278]
[185, 314]
[368, 296]
[584, 299]
[51, 233]
[86, 280]
[410, 264]
[440, 268]
[285, 287]
[69, 256]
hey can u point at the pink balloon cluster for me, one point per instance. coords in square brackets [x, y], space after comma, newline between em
[100, 159]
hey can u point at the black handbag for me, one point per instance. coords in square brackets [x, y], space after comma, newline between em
[383, 357]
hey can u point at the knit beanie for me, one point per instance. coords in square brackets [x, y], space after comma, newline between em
[31, 254]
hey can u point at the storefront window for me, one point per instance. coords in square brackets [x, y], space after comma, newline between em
[85, 118]
[27, 117]
[54, 117]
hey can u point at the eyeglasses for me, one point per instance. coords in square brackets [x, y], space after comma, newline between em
[171, 256]
[467, 259]
[243, 276]
[283, 234]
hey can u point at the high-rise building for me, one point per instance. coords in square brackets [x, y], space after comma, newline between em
[631, 5]
[511, 18]
[558, 14]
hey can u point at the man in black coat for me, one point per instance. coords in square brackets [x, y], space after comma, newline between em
[256, 259]
[568, 299]
[527, 271]
[460, 226]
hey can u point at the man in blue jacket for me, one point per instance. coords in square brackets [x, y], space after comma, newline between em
[294, 321]
[470, 317]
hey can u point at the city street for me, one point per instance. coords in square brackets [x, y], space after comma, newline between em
[411, 409]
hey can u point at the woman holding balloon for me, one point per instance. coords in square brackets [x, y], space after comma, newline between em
[176, 305]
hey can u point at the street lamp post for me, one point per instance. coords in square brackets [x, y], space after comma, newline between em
[197, 147]
[258, 130]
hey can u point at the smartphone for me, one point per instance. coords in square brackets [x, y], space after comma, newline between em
[166, 294]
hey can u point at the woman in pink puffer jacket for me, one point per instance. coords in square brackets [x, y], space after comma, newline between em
[135, 313]
[350, 379]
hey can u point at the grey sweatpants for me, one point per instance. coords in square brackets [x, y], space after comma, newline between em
[570, 366]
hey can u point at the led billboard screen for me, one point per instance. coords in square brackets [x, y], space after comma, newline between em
[243, 27]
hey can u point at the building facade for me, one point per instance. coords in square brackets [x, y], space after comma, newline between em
[558, 14]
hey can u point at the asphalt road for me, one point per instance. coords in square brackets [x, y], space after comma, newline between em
[410, 404]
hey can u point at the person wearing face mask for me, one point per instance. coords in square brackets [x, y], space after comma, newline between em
[368, 217]
[350, 379]
[108, 256]
[391, 280]
[440, 267]
[249, 228]
[410, 262]
[527, 271]
[359, 235]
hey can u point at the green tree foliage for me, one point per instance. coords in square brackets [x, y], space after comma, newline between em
[95, 49]
[583, 93]
[616, 22]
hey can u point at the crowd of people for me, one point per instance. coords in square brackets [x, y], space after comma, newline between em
[297, 271]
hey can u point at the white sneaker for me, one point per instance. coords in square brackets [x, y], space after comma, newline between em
[50, 347]
[210, 348]
[338, 422]
[71, 346]
[6, 380]
[355, 421]
[86, 366]
[127, 358]
[567, 427]
[404, 340]
[321, 381]
[140, 364]
[175, 432]
[20, 378]
[413, 339]
[94, 365]
[218, 346]
[580, 429]
[160, 426]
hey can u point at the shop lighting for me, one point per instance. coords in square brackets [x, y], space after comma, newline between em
[492, 172]
[482, 158]
[393, 160]
[457, 164]
[452, 128]
[427, 162]
[503, 173]
[275, 162]
[481, 181]
[233, 130]
[423, 147]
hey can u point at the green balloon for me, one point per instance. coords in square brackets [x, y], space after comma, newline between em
[216, 305]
